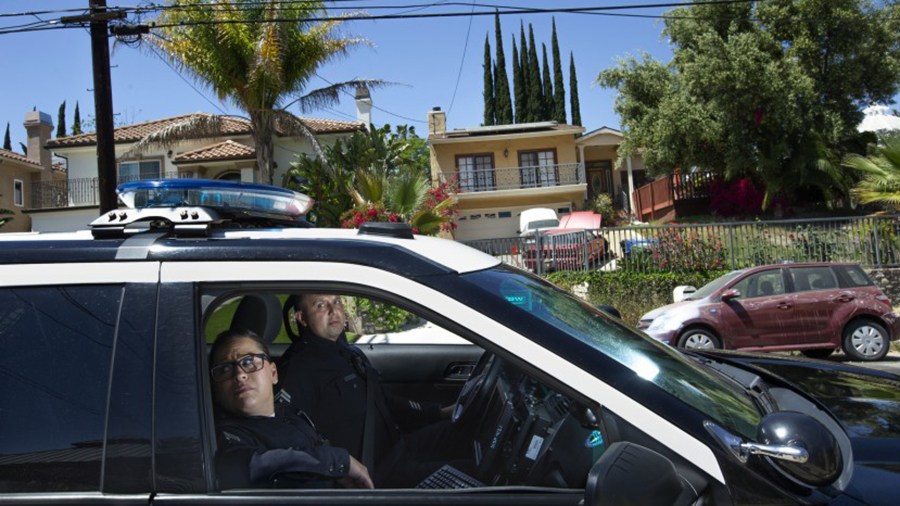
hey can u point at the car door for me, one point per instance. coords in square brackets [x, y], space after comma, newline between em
[815, 292]
[761, 316]
[220, 279]
[75, 406]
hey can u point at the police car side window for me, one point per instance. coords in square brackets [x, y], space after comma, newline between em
[57, 345]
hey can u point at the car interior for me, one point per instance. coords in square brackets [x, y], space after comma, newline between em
[522, 432]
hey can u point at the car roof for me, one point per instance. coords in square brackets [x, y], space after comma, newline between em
[345, 245]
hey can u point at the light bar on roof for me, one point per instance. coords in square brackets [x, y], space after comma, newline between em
[220, 195]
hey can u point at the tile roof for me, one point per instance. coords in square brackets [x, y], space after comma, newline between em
[226, 150]
[232, 126]
[9, 155]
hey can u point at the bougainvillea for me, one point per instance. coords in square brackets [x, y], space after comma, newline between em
[739, 198]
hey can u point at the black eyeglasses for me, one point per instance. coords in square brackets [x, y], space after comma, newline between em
[249, 363]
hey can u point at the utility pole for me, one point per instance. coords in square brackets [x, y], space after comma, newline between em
[106, 154]
[106, 150]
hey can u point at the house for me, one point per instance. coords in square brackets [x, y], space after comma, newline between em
[504, 169]
[72, 203]
[19, 173]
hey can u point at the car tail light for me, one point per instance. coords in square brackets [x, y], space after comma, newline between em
[514, 249]
[884, 299]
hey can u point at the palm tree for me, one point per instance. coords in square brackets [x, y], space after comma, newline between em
[259, 54]
[880, 181]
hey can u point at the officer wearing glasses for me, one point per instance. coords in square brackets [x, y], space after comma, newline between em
[259, 445]
[335, 383]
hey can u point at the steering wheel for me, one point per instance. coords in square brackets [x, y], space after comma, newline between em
[477, 391]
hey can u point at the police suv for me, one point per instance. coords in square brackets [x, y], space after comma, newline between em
[106, 396]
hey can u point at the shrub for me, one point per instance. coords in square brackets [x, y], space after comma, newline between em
[677, 249]
[603, 205]
[632, 293]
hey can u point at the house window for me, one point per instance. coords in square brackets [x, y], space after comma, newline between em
[138, 170]
[538, 168]
[18, 192]
[476, 172]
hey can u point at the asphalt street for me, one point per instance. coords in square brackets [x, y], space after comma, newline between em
[890, 363]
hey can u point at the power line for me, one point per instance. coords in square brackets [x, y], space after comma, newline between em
[375, 106]
[461, 62]
[155, 51]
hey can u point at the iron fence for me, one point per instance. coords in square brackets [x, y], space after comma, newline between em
[76, 192]
[872, 241]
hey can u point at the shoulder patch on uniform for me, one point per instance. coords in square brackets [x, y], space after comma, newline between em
[230, 437]
[283, 397]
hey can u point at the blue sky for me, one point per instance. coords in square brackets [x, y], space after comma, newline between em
[423, 56]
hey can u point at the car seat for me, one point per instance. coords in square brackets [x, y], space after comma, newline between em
[260, 313]
[766, 288]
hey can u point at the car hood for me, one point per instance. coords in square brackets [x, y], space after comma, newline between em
[652, 315]
[865, 401]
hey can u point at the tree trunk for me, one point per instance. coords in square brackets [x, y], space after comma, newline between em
[263, 131]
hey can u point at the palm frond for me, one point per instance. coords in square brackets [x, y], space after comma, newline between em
[196, 126]
[406, 192]
[331, 95]
[290, 125]
[427, 222]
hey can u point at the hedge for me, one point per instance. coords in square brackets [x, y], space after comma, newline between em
[632, 293]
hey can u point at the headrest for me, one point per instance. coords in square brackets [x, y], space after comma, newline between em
[260, 313]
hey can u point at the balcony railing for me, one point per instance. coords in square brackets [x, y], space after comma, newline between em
[78, 191]
[516, 178]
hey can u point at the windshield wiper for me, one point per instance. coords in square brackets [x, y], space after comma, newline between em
[752, 383]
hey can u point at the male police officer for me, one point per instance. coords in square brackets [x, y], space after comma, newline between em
[257, 445]
[335, 383]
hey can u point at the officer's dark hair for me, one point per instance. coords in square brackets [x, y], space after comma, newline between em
[226, 337]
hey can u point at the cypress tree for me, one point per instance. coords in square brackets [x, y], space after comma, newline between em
[502, 100]
[7, 142]
[61, 120]
[490, 107]
[559, 89]
[76, 121]
[535, 91]
[548, 87]
[573, 91]
[525, 115]
[518, 86]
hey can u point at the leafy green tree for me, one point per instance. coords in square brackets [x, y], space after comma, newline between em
[259, 55]
[535, 89]
[549, 107]
[880, 183]
[525, 115]
[76, 121]
[518, 83]
[501, 80]
[490, 105]
[573, 91]
[770, 90]
[61, 120]
[559, 90]
[7, 142]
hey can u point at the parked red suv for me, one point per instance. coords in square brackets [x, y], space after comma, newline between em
[811, 307]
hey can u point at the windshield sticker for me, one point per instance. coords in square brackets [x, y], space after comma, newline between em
[521, 298]
[594, 440]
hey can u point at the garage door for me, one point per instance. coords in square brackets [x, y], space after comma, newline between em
[494, 223]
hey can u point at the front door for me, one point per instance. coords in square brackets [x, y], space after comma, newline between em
[599, 178]
[762, 316]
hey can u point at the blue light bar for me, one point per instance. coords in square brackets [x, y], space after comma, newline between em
[221, 195]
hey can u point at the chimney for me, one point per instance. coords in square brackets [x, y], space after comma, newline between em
[364, 106]
[437, 121]
[38, 125]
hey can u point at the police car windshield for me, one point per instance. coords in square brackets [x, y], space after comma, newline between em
[658, 363]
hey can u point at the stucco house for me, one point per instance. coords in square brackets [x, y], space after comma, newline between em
[504, 169]
[20, 172]
[72, 203]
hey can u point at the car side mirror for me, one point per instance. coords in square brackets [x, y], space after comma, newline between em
[728, 295]
[796, 443]
[630, 474]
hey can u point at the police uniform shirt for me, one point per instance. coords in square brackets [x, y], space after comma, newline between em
[282, 450]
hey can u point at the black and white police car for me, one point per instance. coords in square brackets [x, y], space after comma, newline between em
[106, 398]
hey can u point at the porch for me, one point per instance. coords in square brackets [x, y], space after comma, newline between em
[670, 197]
